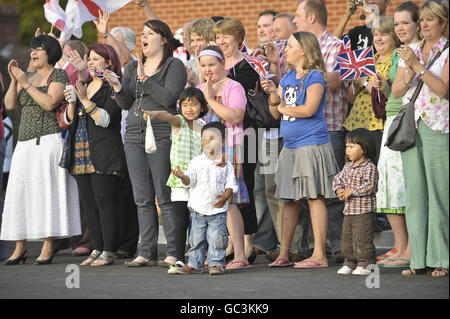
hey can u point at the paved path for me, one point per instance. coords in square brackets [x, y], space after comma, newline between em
[260, 282]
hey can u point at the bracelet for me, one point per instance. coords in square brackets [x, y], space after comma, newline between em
[93, 110]
[274, 104]
[26, 87]
[90, 108]
[105, 35]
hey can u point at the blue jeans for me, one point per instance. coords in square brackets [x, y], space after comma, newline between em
[208, 233]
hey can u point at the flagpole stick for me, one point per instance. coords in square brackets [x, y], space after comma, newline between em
[51, 29]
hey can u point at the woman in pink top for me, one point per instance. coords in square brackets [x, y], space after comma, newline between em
[226, 103]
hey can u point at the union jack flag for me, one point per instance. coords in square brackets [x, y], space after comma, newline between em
[346, 46]
[259, 65]
[243, 48]
[356, 64]
[99, 73]
[280, 45]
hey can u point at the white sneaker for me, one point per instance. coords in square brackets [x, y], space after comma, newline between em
[175, 269]
[361, 271]
[345, 270]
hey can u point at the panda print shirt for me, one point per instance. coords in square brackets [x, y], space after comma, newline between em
[299, 132]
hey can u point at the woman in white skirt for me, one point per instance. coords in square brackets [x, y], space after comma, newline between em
[41, 198]
[306, 166]
[391, 195]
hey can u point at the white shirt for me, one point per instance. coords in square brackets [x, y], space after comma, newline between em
[207, 181]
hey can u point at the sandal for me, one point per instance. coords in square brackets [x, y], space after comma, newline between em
[440, 269]
[105, 259]
[412, 271]
[92, 257]
[216, 270]
[140, 263]
[387, 254]
[231, 263]
[284, 262]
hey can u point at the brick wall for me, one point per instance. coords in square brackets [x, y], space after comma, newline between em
[176, 12]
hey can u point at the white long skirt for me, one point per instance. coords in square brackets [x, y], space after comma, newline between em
[41, 198]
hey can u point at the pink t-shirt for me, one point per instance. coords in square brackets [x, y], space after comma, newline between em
[233, 96]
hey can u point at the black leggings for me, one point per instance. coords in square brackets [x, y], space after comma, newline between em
[98, 196]
[181, 226]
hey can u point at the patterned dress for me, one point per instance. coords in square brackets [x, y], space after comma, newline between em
[362, 115]
[235, 156]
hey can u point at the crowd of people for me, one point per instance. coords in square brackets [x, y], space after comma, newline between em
[301, 191]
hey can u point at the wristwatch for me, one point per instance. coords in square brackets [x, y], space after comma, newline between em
[422, 72]
[365, 83]
[26, 87]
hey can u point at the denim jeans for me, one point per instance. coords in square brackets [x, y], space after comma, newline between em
[149, 174]
[208, 233]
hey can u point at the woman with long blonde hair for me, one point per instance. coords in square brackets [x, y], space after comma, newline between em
[306, 165]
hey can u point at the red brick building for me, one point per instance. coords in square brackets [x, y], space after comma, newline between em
[176, 12]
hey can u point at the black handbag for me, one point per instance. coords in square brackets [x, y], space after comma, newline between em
[257, 113]
[402, 132]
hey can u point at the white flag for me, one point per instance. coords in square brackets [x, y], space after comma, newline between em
[56, 15]
[81, 11]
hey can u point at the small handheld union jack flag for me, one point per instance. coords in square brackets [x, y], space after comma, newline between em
[280, 45]
[346, 46]
[356, 64]
[259, 65]
[99, 73]
[243, 48]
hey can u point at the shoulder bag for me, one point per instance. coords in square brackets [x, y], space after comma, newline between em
[60, 109]
[402, 132]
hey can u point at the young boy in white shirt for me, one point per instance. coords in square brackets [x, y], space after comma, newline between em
[212, 182]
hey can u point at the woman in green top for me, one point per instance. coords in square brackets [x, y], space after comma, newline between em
[391, 195]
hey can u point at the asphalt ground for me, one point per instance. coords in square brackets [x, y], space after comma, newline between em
[64, 279]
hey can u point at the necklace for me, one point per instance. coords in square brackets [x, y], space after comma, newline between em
[220, 81]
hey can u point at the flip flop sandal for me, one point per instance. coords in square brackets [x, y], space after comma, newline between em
[285, 262]
[405, 265]
[303, 264]
[246, 265]
[386, 255]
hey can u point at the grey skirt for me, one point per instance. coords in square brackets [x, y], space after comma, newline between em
[306, 172]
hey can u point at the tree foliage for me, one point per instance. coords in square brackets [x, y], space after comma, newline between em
[32, 17]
